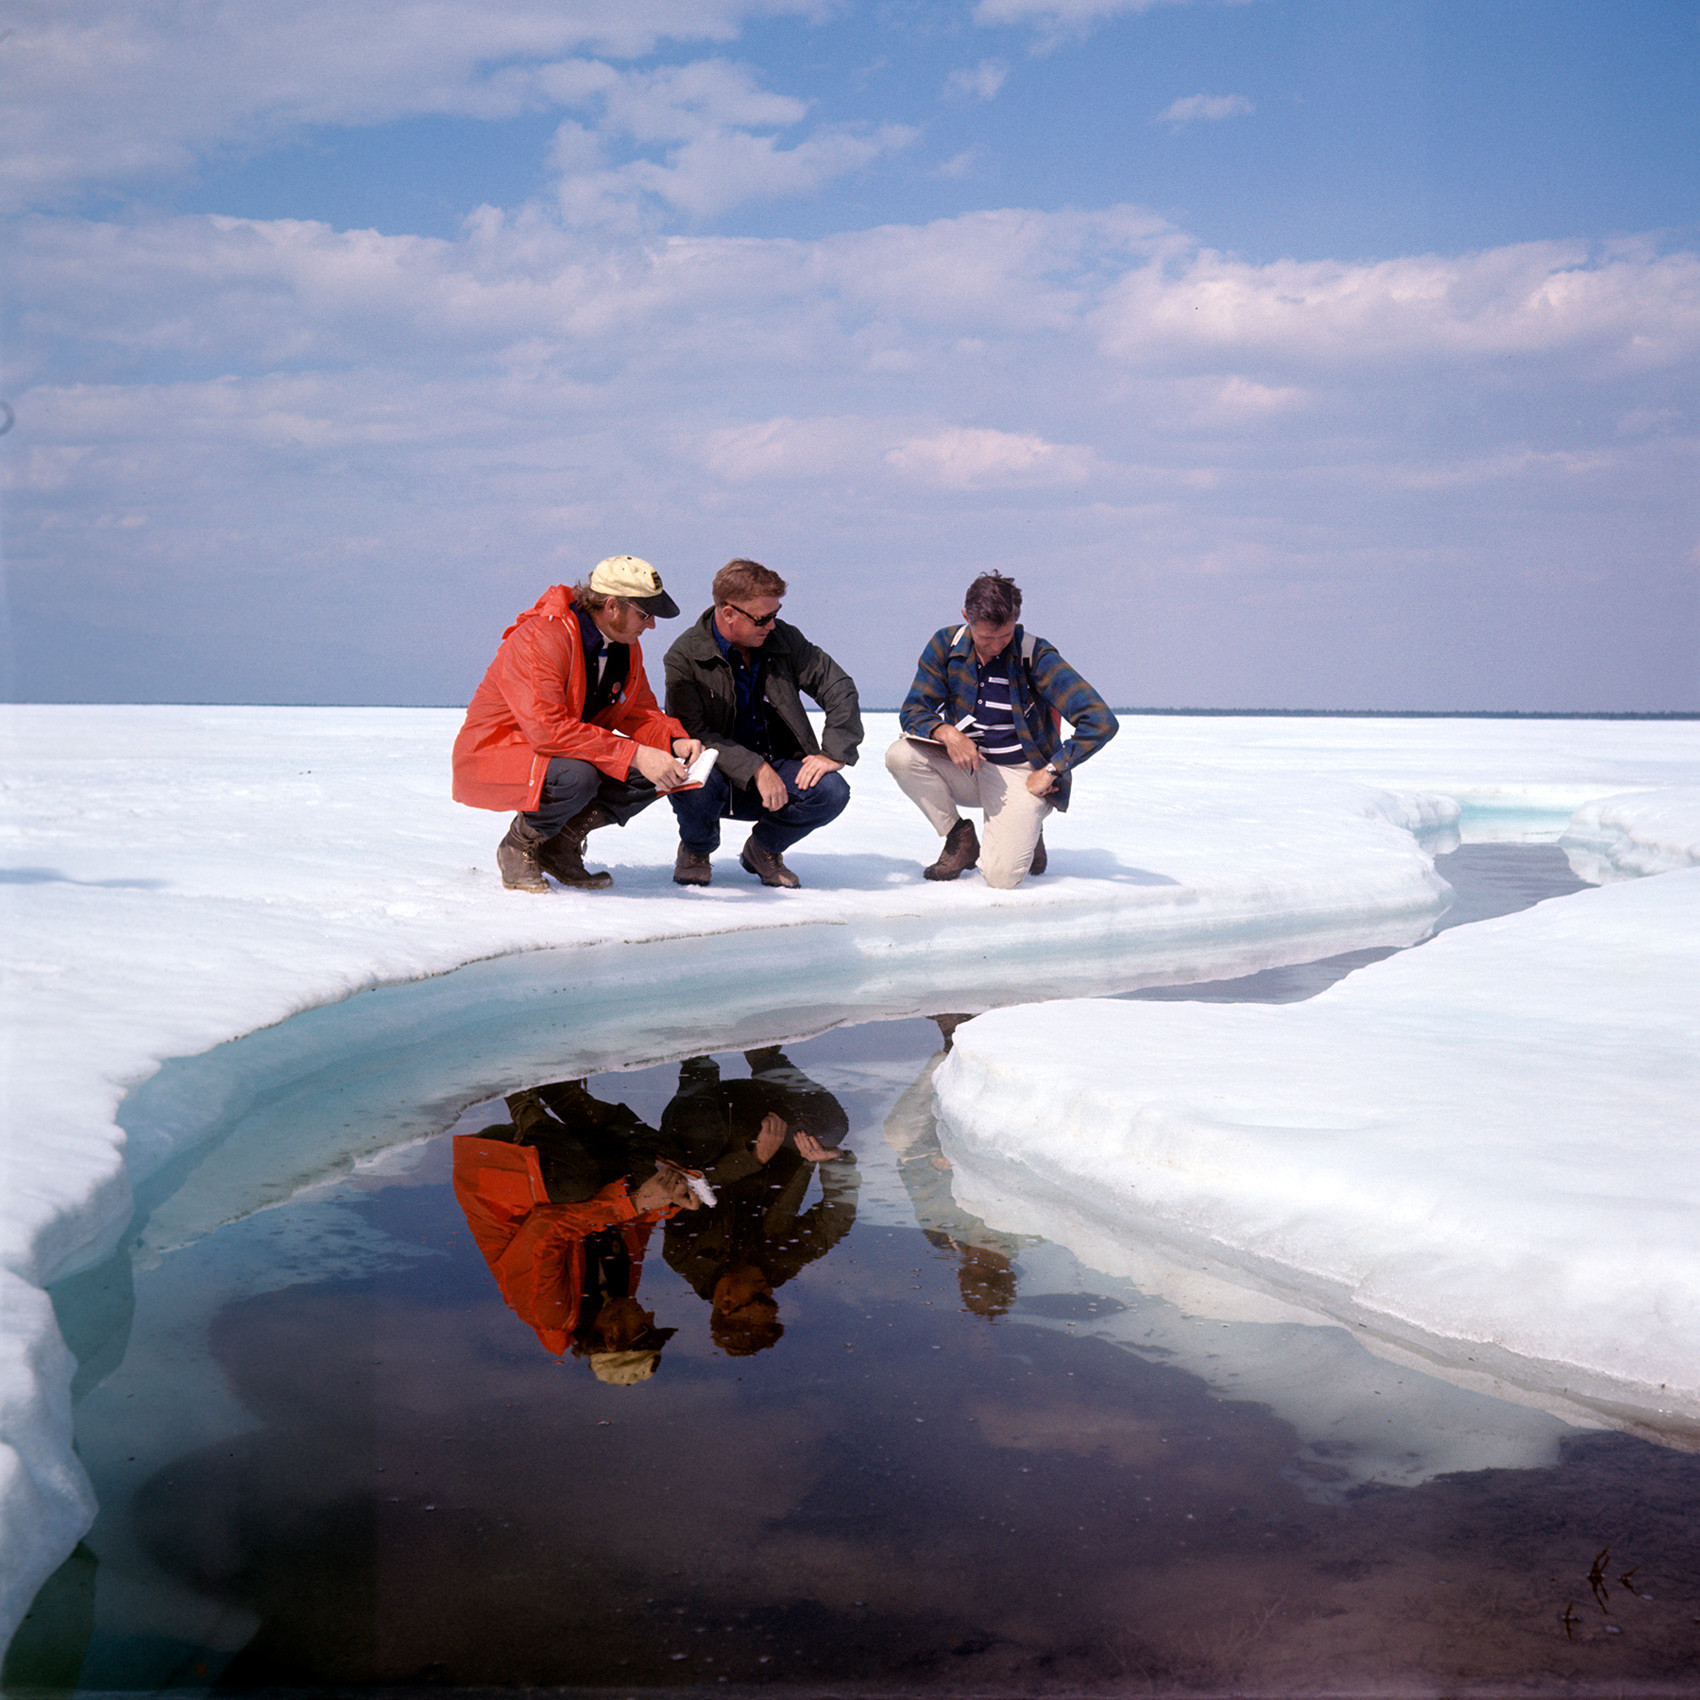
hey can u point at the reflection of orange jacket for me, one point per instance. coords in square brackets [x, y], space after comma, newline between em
[530, 706]
[535, 1249]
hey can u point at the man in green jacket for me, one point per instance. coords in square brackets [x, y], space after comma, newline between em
[735, 680]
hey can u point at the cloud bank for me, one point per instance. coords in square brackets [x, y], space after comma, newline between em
[418, 433]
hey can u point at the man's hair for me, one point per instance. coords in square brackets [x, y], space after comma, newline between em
[992, 600]
[741, 578]
[591, 601]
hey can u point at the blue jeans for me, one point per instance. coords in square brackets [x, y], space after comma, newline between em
[701, 812]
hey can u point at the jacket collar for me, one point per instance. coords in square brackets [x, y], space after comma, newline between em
[963, 644]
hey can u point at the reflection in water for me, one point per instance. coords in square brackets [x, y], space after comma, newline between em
[562, 1199]
[761, 1141]
[985, 1257]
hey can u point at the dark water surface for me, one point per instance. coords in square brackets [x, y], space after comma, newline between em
[330, 1458]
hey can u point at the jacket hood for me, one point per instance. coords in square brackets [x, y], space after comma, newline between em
[556, 601]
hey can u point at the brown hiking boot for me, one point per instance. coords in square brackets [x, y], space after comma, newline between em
[563, 855]
[1040, 860]
[691, 869]
[961, 851]
[516, 857]
[766, 866]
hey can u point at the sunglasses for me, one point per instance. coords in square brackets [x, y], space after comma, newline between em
[765, 620]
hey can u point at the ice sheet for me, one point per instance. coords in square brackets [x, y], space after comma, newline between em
[174, 877]
[1486, 1152]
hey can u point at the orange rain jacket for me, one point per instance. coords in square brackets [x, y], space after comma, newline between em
[535, 1249]
[529, 707]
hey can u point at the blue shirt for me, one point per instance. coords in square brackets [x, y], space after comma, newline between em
[751, 729]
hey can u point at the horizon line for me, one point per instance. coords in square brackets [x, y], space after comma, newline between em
[1115, 708]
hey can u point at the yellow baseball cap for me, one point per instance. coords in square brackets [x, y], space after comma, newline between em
[633, 580]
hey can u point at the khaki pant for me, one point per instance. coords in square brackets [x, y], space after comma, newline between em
[940, 789]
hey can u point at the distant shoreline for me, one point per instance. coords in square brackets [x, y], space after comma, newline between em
[1171, 713]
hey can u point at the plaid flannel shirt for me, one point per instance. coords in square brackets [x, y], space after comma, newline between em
[947, 682]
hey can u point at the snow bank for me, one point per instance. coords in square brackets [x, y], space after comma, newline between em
[1485, 1152]
[1650, 832]
[175, 877]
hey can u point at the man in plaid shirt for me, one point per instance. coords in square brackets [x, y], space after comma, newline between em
[981, 729]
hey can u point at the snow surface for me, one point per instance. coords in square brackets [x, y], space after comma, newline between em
[177, 877]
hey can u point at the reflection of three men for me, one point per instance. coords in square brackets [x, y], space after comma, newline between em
[563, 1197]
[566, 730]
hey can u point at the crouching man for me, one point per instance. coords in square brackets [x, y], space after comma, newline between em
[565, 729]
[733, 680]
[981, 730]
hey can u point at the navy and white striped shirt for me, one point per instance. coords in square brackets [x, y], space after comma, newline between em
[994, 715]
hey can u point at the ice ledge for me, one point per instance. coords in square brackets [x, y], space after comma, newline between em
[1644, 832]
[1486, 1151]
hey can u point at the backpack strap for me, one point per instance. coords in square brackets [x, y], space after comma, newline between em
[1028, 644]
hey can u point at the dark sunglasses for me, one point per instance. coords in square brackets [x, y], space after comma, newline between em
[765, 620]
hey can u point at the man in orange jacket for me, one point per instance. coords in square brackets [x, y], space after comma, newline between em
[561, 1201]
[565, 729]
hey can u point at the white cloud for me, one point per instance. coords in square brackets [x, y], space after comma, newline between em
[1012, 271]
[104, 93]
[1057, 17]
[1227, 403]
[681, 103]
[978, 82]
[724, 168]
[706, 116]
[967, 458]
[1209, 108]
[786, 448]
[1624, 308]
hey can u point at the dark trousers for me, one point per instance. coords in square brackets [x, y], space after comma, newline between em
[701, 812]
[571, 786]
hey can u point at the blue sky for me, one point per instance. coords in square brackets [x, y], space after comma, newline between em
[1302, 355]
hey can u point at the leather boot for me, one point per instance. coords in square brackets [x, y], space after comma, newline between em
[1040, 860]
[691, 869]
[563, 855]
[767, 866]
[516, 857]
[961, 851]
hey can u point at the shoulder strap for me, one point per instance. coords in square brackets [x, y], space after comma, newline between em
[1028, 644]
